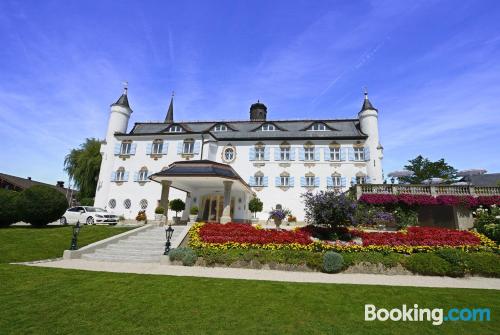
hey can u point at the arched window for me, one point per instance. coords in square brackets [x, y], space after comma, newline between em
[259, 179]
[285, 151]
[120, 174]
[143, 174]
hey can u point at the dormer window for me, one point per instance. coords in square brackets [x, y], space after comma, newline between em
[268, 127]
[318, 127]
[220, 127]
[175, 129]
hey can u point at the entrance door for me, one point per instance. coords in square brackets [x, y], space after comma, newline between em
[213, 206]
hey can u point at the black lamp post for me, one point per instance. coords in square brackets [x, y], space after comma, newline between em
[168, 232]
[74, 240]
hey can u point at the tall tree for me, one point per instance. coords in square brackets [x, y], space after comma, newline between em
[424, 168]
[83, 165]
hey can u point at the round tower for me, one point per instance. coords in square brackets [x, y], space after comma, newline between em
[368, 120]
[119, 116]
[258, 112]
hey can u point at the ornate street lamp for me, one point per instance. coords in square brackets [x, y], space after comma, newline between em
[168, 232]
[74, 240]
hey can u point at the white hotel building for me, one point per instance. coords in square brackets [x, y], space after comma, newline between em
[220, 165]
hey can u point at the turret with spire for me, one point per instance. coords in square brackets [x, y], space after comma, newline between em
[120, 115]
[170, 113]
[367, 105]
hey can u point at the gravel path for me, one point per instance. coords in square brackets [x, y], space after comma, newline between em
[274, 275]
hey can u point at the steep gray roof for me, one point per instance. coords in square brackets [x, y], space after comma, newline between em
[242, 130]
[122, 101]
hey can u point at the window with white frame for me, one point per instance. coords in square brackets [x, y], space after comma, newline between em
[229, 154]
[335, 154]
[309, 181]
[285, 154]
[309, 153]
[318, 127]
[120, 174]
[188, 147]
[143, 174]
[336, 181]
[175, 129]
[157, 147]
[284, 181]
[359, 154]
[259, 153]
[125, 148]
[360, 180]
[268, 127]
[259, 180]
[220, 127]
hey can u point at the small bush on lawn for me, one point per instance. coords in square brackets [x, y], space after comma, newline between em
[41, 205]
[427, 264]
[484, 264]
[332, 262]
[185, 255]
[9, 210]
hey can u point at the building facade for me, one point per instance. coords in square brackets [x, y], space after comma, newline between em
[220, 165]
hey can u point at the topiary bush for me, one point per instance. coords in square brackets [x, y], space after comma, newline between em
[177, 205]
[40, 205]
[9, 209]
[332, 262]
[428, 264]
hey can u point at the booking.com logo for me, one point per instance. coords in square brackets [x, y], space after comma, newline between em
[436, 315]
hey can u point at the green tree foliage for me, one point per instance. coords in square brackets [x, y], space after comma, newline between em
[177, 205]
[40, 205]
[424, 168]
[9, 211]
[83, 165]
[255, 205]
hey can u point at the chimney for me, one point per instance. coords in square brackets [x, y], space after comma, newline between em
[60, 184]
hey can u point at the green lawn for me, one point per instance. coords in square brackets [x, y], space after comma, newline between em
[56, 301]
[22, 244]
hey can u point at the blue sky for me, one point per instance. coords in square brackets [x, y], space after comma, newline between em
[432, 69]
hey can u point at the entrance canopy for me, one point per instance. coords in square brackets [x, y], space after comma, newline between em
[193, 175]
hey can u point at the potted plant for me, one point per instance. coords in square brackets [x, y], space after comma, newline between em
[141, 216]
[193, 214]
[177, 205]
[278, 215]
[291, 218]
[159, 212]
[255, 205]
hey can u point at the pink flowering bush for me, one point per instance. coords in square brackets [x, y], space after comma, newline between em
[378, 199]
[488, 200]
[417, 199]
[467, 201]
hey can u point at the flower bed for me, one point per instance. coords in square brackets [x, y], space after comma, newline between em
[416, 239]
[423, 199]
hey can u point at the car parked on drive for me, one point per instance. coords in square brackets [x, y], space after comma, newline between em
[88, 215]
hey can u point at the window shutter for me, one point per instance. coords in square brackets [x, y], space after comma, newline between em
[266, 154]
[350, 153]
[251, 181]
[316, 181]
[149, 149]
[277, 154]
[353, 180]
[343, 181]
[196, 149]
[277, 181]
[292, 154]
[117, 148]
[367, 153]
[291, 182]
[133, 147]
[368, 180]
[125, 176]
[316, 154]
[164, 148]
[113, 176]
[326, 154]
[179, 147]
[302, 181]
[266, 181]
[136, 176]
[251, 153]
[329, 182]
[302, 155]
[343, 154]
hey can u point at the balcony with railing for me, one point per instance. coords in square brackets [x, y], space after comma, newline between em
[433, 190]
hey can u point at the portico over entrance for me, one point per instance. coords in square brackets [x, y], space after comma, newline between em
[220, 194]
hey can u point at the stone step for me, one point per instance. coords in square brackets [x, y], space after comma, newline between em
[119, 246]
[128, 252]
[106, 258]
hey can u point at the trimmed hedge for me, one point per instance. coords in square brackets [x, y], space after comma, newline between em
[9, 212]
[40, 205]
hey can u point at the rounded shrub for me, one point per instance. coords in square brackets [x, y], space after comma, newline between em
[41, 205]
[332, 262]
[189, 258]
[9, 209]
[176, 254]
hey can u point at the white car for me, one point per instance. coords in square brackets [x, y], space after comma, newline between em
[88, 215]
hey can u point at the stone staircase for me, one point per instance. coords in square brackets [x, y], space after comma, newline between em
[146, 247]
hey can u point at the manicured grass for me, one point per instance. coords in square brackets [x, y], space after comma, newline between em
[56, 301]
[22, 244]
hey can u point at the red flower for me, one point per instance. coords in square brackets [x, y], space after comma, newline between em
[488, 200]
[378, 199]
